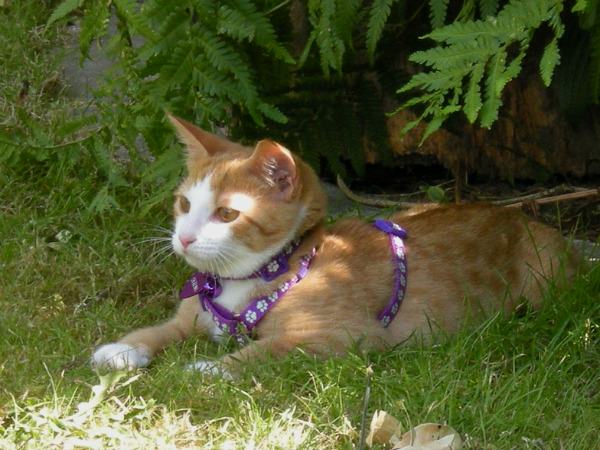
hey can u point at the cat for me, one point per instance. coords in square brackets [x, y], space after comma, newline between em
[242, 211]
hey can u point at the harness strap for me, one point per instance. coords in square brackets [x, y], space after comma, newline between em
[208, 287]
[396, 234]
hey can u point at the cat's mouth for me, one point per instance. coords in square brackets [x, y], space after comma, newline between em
[217, 258]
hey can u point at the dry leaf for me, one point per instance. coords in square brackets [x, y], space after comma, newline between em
[430, 436]
[384, 427]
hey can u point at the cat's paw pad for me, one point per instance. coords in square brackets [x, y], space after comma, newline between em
[120, 357]
[211, 368]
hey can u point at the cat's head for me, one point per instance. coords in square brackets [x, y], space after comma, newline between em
[239, 206]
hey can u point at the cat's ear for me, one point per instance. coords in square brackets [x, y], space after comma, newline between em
[275, 164]
[200, 144]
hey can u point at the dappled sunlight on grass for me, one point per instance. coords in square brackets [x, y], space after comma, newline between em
[527, 378]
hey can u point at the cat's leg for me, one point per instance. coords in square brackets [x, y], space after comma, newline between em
[137, 348]
[324, 343]
[254, 351]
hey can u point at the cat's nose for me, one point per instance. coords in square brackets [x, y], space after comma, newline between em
[186, 241]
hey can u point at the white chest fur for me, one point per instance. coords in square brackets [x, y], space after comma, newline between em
[235, 296]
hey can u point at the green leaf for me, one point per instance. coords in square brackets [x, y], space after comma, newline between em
[408, 126]
[493, 90]
[167, 166]
[436, 194]
[272, 112]
[466, 32]
[93, 25]
[432, 127]
[488, 8]
[437, 12]
[103, 201]
[378, 15]
[473, 101]
[346, 18]
[138, 21]
[443, 58]
[322, 16]
[62, 10]
[550, 59]
[580, 5]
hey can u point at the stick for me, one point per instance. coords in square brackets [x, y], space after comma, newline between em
[535, 195]
[558, 198]
[363, 421]
[382, 203]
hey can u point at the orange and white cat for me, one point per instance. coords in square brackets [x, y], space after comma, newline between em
[240, 206]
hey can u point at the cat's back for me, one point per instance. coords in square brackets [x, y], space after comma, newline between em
[459, 257]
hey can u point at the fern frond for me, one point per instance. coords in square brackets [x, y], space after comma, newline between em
[550, 59]
[233, 23]
[488, 8]
[128, 9]
[378, 15]
[93, 25]
[331, 46]
[473, 101]
[63, 10]
[437, 12]
[244, 21]
[272, 112]
[466, 32]
[456, 55]
[346, 18]
[476, 51]
[493, 88]
[580, 5]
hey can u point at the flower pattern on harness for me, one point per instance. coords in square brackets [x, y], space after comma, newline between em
[262, 305]
[273, 266]
[208, 287]
[250, 316]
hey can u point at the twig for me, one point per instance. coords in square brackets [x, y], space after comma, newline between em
[56, 146]
[557, 198]
[363, 420]
[382, 203]
[533, 196]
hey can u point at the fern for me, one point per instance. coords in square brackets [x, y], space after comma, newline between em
[239, 62]
[488, 8]
[322, 15]
[128, 11]
[347, 16]
[437, 12]
[245, 22]
[63, 10]
[476, 51]
[378, 15]
[473, 102]
[550, 59]
[93, 25]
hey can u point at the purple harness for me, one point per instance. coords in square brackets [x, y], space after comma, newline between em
[240, 325]
[397, 234]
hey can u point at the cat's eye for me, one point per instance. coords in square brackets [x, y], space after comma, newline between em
[183, 204]
[226, 214]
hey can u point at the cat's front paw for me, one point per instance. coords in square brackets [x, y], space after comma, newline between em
[212, 368]
[120, 357]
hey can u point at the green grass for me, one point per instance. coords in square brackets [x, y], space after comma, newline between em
[523, 382]
[71, 279]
